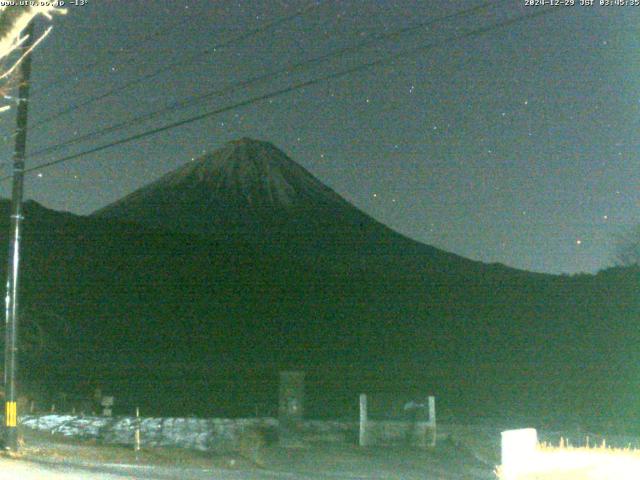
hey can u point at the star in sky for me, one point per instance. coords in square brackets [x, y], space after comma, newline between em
[467, 131]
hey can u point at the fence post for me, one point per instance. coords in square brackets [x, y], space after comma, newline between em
[363, 420]
[432, 419]
[137, 433]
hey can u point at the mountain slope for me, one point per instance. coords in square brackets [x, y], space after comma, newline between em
[180, 315]
[250, 191]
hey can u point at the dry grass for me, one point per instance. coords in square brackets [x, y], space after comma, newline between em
[566, 462]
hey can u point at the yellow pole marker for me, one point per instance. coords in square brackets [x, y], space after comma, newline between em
[11, 414]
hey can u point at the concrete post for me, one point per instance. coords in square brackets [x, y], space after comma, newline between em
[432, 419]
[363, 420]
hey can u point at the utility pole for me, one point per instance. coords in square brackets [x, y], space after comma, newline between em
[11, 300]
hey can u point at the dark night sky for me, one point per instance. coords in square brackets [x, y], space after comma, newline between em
[519, 146]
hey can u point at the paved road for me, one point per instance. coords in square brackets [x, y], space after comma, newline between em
[25, 470]
[320, 462]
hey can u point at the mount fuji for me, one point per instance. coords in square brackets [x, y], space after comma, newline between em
[242, 261]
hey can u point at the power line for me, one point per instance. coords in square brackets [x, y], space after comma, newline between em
[280, 92]
[374, 38]
[189, 60]
[283, 91]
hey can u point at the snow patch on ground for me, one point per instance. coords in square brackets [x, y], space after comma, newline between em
[215, 434]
